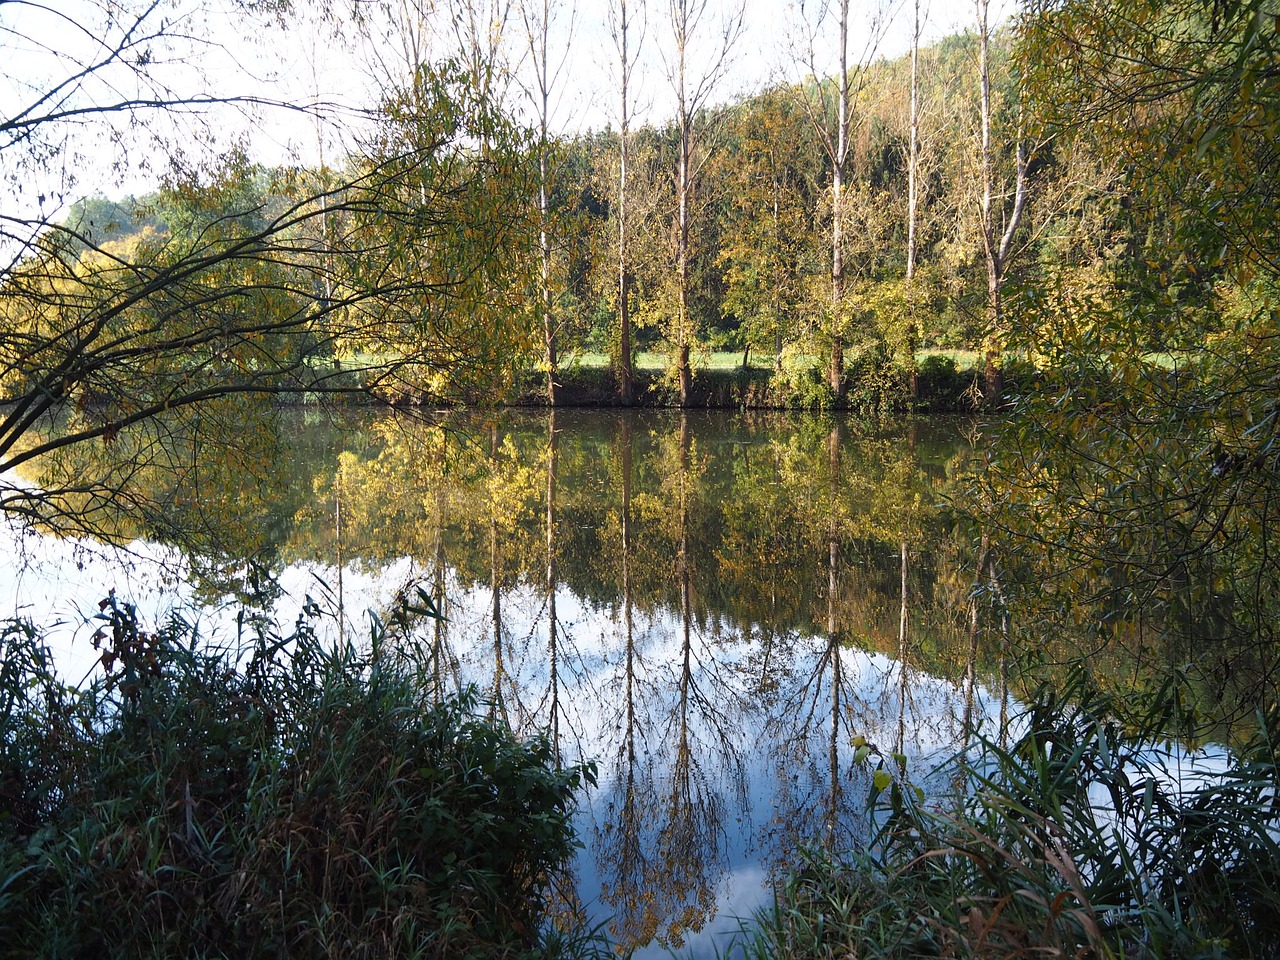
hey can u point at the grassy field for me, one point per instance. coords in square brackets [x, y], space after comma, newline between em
[655, 362]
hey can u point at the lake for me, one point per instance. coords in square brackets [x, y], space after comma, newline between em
[711, 606]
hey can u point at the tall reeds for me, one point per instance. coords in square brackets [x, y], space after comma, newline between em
[287, 799]
[1075, 839]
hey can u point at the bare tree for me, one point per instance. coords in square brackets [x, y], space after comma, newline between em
[832, 113]
[621, 24]
[693, 94]
[480, 33]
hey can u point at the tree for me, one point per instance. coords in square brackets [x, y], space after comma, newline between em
[538, 17]
[692, 94]
[1000, 217]
[259, 282]
[913, 204]
[765, 234]
[620, 25]
[831, 109]
[1135, 487]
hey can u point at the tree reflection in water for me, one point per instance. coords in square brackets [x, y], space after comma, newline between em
[713, 607]
[710, 607]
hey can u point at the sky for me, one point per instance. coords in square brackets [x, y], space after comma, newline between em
[214, 46]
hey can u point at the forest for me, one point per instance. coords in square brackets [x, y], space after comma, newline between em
[1063, 223]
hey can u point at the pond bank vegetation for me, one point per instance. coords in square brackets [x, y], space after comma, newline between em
[279, 797]
[1080, 830]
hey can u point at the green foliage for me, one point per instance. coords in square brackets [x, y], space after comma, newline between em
[1134, 487]
[800, 382]
[1068, 840]
[290, 799]
[446, 252]
[876, 385]
[941, 381]
[401, 273]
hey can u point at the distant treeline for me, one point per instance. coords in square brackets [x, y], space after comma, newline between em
[760, 253]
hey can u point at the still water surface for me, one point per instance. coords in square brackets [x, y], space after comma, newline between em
[709, 606]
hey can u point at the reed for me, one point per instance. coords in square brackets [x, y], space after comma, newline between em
[279, 798]
[1070, 840]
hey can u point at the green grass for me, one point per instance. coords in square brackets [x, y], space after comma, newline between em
[648, 361]
[963, 359]
[654, 362]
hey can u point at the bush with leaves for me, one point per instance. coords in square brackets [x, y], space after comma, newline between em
[302, 801]
[1069, 840]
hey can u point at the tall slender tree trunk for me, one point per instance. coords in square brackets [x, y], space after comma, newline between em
[991, 351]
[626, 375]
[776, 297]
[544, 243]
[913, 203]
[996, 244]
[687, 18]
[835, 370]
[683, 187]
[537, 21]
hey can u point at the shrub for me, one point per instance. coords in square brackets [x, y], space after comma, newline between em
[300, 801]
[875, 384]
[941, 384]
[1069, 841]
[800, 382]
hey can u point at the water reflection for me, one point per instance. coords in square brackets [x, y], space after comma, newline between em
[712, 607]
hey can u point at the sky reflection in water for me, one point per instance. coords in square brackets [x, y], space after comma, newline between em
[720, 710]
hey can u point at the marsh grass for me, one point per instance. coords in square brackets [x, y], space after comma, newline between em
[1068, 841]
[279, 798]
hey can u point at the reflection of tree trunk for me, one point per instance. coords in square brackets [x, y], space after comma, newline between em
[495, 582]
[437, 659]
[975, 629]
[497, 707]
[904, 614]
[903, 654]
[833, 637]
[622, 852]
[682, 565]
[690, 837]
[997, 591]
[337, 540]
[553, 652]
[628, 622]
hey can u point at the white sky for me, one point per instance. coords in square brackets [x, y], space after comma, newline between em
[41, 40]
